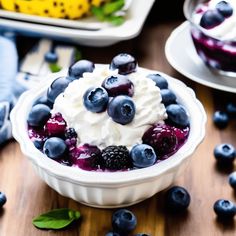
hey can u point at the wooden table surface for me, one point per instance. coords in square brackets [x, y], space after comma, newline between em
[29, 196]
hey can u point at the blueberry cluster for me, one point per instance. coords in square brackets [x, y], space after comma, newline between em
[123, 223]
[51, 135]
[214, 17]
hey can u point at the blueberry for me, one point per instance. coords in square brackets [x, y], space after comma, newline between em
[39, 115]
[78, 68]
[51, 57]
[38, 143]
[177, 199]
[44, 100]
[177, 115]
[54, 147]
[121, 109]
[231, 109]
[143, 155]
[168, 97]
[224, 153]
[224, 209]
[125, 63]
[211, 18]
[112, 234]
[160, 81]
[221, 119]
[3, 199]
[123, 221]
[58, 86]
[118, 85]
[96, 99]
[232, 180]
[224, 8]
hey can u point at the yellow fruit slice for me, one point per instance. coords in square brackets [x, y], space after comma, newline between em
[70, 9]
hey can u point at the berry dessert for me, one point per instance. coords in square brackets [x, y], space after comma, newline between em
[213, 33]
[112, 118]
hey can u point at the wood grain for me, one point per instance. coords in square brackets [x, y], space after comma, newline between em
[28, 196]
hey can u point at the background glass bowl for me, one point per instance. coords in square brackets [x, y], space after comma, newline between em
[219, 55]
[109, 189]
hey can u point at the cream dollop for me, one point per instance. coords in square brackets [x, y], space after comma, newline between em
[227, 29]
[98, 128]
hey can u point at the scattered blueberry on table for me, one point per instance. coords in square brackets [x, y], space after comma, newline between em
[123, 221]
[225, 153]
[221, 119]
[232, 180]
[3, 199]
[224, 209]
[177, 199]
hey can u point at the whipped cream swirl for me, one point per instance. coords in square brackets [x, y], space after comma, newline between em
[98, 128]
[227, 29]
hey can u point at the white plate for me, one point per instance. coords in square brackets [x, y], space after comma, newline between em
[107, 35]
[181, 54]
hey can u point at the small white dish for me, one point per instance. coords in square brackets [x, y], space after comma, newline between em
[110, 189]
[181, 54]
[85, 32]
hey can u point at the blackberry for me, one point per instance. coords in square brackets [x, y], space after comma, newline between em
[70, 133]
[116, 158]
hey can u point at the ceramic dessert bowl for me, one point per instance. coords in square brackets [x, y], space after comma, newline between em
[110, 189]
[212, 33]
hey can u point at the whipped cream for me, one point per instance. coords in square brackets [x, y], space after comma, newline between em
[98, 128]
[227, 29]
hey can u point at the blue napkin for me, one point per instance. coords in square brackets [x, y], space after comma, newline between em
[9, 89]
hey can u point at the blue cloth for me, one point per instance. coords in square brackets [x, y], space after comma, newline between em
[9, 90]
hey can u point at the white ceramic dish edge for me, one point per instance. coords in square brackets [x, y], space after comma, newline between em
[110, 189]
[106, 36]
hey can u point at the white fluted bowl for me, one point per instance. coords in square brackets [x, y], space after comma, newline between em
[110, 189]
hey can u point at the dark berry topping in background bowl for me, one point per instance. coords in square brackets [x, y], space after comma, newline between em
[224, 209]
[177, 199]
[123, 221]
[143, 155]
[78, 68]
[118, 85]
[211, 19]
[58, 86]
[224, 8]
[39, 115]
[160, 81]
[121, 109]
[125, 63]
[116, 158]
[96, 99]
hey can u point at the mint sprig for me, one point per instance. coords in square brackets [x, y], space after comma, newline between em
[107, 12]
[54, 67]
[56, 219]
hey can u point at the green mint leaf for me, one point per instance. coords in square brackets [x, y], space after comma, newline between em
[116, 20]
[56, 219]
[54, 67]
[112, 7]
[98, 12]
[78, 55]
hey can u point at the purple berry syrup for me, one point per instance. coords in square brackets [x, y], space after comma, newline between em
[166, 139]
